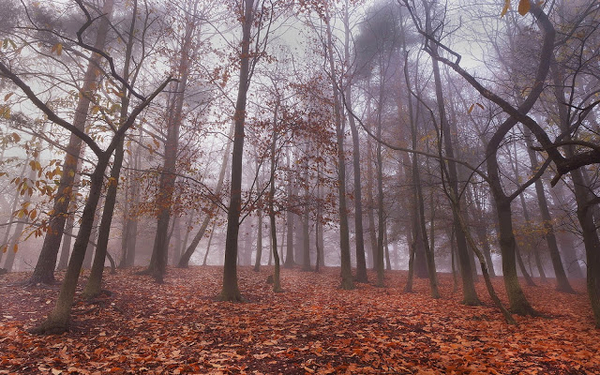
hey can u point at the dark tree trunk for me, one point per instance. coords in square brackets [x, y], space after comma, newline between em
[58, 320]
[347, 281]
[469, 294]
[44, 269]
[562, 283]
[230, 290]
[259, 244]
[361, 263]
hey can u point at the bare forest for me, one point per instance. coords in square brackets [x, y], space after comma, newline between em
[299, 186]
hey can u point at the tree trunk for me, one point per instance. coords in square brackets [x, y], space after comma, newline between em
[562, 283]
[230, 290]
[469, 294]
[361, 263]
[58, 319]
[94, 284]
[210, 238]
[518, 301]
[306, 266]
[347, 281]
[44, 269]
[258, 242]
[185, 258]
[272, 213]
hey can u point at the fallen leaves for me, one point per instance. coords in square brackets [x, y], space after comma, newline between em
[312, 328]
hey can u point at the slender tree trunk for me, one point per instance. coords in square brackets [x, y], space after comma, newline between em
[585, 209]
[129, 236]
[306, 266]
[371, 206]
[347, 281]
[386, 248]
[379, 261]
[210, 238]
[258, 242]
[408, 288]
[94, 284]
[44, 269]
[289, 253]
[230, 290]
[469, 294]
[272, 213]
[361, 264]
[58, 320]
[185, 258]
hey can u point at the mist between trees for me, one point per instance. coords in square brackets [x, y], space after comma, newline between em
[393, 134]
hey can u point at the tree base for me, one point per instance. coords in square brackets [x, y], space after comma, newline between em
[347, 285]
[565, 289]
[361, 279]
[50, 327]
[471, 302]
[524, 310]
[230, 297]
[44, 280]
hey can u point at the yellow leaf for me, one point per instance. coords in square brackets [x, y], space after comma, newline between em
[506, 7]
[471, 108]
[524, 6]
[7, 96]
[16, 248]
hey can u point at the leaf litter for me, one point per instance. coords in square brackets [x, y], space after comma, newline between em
[313, 327]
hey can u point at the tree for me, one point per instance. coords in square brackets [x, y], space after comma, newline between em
[346, 268]
[44, 269]
[174, 118]
[58, 319]
[230, 290]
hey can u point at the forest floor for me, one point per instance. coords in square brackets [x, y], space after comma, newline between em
[312, 327]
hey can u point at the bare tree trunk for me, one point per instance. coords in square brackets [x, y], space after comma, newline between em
[361, 264]
[346, 268]
[562, 283]
[44, 269]
[230, 290]
[210, 238]
[469, 294]
[93, 286]
[185, 258]
[259, 244]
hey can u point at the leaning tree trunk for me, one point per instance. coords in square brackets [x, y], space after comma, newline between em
[187, 255]
[94, 284]
[58, 320]
[44, 269]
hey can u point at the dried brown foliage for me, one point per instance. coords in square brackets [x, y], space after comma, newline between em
[313, 327]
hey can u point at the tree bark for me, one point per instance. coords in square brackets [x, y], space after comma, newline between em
[361, 263]
[469, 294]
[347, 281]
[44, 269]
[230, 290]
